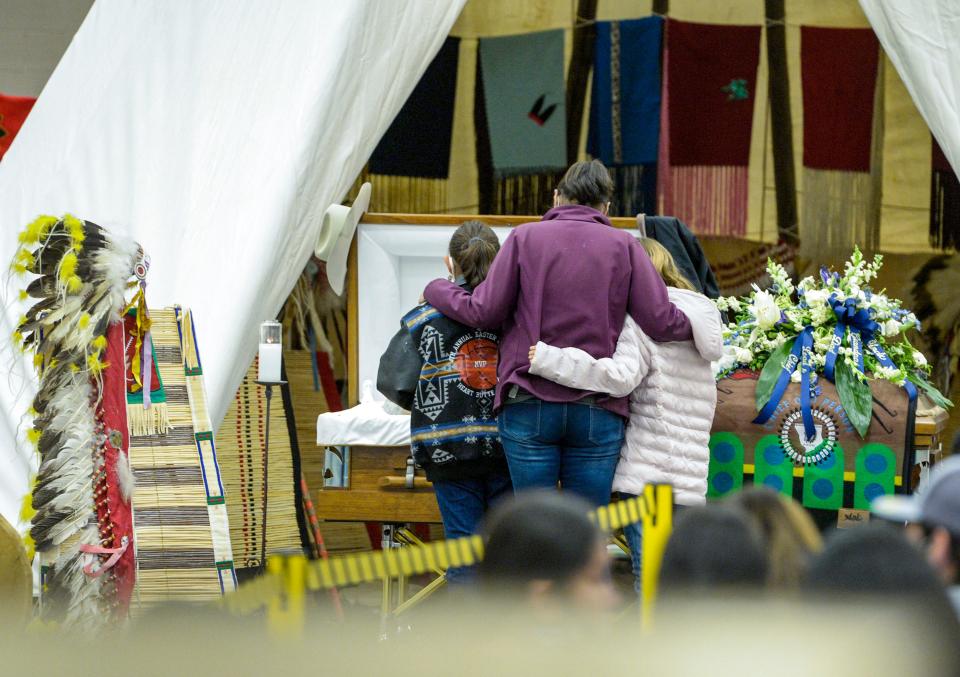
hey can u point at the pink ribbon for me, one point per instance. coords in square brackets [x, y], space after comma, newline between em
[115, 555]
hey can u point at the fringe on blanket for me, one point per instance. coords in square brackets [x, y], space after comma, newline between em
[525, 194]
[404, 194]
[944, 209]
[711, 200]
[152, 421]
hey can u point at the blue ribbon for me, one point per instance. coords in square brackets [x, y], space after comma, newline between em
[874, 347]
[861, 327]
[800, 354]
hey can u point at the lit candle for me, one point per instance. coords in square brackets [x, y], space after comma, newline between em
[271, 352]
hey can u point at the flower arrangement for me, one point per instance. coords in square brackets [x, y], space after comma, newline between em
[836, 326]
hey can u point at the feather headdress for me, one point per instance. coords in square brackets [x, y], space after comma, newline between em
[80, 289]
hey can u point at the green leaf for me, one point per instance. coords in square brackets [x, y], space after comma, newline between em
[931, 390]
[855, 396]
[771, 372]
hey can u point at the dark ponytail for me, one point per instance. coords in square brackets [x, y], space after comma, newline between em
[473, 247]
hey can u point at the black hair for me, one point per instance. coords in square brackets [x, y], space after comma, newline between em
[473, 247]
[713, 547]
[872, 558]
[587, 183]
[537, 535]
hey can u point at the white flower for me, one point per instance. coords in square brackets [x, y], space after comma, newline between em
[765, 310]
[721, 303]
[795, 376]
[807, 283]
[888, 373]
[816, 297]
[734, 303]
[728, 359]
[891, 328]
[919, 358]
[744, 356]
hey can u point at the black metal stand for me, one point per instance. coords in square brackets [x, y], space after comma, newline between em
[266, 468]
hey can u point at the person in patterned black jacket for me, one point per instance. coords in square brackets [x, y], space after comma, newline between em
[445, 374]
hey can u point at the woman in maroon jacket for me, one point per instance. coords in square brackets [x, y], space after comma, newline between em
[567, 280]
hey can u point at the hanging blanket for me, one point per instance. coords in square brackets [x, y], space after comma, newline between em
[625, 109]
[410, 165]
[944, 202]
[709, 85]
[13, 111]
[837, 469]
[521, 77]
[841, 139]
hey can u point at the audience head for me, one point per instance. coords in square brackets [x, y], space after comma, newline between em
[663, 261]
[933, 514]
[713, 548]
[790, 536]
[542, 546]
[473, 247]
[874, 558]
[586, 183]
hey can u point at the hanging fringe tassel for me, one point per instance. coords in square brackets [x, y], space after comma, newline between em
[634, 190]
[152, 421]
[711, 200]
[404, 194]
[839, 211]
[944, 209]
[525, 194]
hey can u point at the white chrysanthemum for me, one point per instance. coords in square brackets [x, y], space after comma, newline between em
[892, 328]
[919, 358]
[888, 373]
[744, 355]
[816, 297]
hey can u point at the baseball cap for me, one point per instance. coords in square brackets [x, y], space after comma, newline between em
[936, 503]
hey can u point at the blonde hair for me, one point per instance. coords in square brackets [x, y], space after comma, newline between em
[790, 535]
[663, 261]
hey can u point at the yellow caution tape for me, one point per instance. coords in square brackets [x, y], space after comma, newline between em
[653, 508]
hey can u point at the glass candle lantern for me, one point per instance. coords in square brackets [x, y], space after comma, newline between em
[271, 352]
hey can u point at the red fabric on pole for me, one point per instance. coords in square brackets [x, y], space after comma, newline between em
[838, 68]
[112, 412]
[710, 111]
[13, 111]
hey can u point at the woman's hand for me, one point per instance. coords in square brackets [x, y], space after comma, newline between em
[533, 353]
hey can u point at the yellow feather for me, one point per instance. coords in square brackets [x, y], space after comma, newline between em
[24, 295]
[68, 267]
[38, 360]
[75, 228]
[74, 368]
[17, 339]
[18, 268]
[84, 321]
[74, 284]
[26, 507]
[38, 229]
[34, 436]
[100, 342]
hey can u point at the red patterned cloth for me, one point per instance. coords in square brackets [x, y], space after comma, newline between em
[116, 516]
[709, 93]
[13, 111]
[839, 72]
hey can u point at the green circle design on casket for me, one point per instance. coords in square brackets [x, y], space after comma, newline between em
[772, 467]
[725, 475]
[876, 466]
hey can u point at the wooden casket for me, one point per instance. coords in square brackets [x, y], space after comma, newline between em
[837, 469]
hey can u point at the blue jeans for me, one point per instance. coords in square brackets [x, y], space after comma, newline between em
[577, 445]
[634, 535]
[463, 504]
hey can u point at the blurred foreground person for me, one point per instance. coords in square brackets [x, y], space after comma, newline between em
[876, 561]
[790, 536]
[713, 549]
[542, 550]
[934, 517]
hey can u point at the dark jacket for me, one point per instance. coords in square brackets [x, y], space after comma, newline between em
[674, 235]
[445, 374]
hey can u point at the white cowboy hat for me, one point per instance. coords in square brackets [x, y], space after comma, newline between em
[336, 234]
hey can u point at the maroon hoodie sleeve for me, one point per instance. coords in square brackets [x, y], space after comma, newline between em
[649, 304]
[491, 302]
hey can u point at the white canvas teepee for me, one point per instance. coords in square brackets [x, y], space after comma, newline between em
[215, 133]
